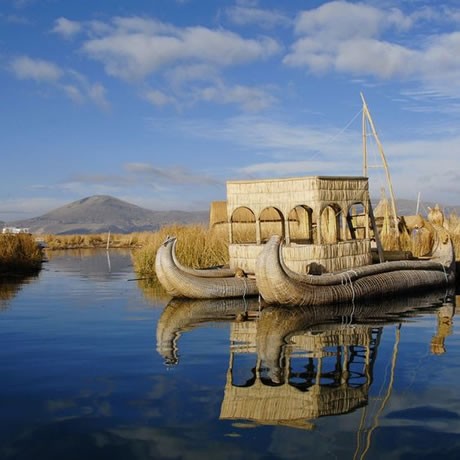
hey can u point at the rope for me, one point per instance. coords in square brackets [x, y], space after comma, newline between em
[445, 272]
[346, 127]
[245, 288]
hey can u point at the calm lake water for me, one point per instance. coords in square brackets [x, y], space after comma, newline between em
[96, 366]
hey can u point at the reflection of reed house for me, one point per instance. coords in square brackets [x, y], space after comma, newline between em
[314, 374]
[309, 212]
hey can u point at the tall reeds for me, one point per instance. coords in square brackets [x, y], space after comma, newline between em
[197, 247]
[92, 240]
[19, 253]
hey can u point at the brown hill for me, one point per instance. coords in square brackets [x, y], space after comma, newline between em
[100, 213]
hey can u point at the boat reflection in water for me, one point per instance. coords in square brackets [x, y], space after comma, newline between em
[181, 315]
[308, 362]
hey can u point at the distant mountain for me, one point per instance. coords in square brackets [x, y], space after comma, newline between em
[101, 213]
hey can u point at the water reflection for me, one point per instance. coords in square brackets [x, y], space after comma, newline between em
[181, 315]
[152, 289]
[290, 366]
[11, 285]
[91, 263]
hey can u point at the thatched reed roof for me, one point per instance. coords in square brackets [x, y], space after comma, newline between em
[285, 194]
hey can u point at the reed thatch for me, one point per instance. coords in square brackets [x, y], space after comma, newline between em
[218, 213]
[279, 285]
[436, 216]
[180, 281]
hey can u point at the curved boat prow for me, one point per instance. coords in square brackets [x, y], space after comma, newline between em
[279, 285]
[180, 281]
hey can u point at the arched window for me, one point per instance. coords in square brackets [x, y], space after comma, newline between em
[301, 225]
[330, 224]
[271, 223]
[357, 222]
[243, 222]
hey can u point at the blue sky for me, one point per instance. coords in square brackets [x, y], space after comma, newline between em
[160, 102]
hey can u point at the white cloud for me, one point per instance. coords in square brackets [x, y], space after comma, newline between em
[97, 93]
[135, 47]
[158, 98]
[340, 20]
[73, 84]
[243, 15]
[171, 174]
[73, 93]
[295, 168]
[133, 175]
[22, 208]
[251, 99]
[66, 28]
[25, 68]
[15, 19]
[349, 38]
[377, 58]
[194, 72]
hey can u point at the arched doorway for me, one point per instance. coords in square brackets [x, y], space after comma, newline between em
[301, 225]
[243, 226]
[330, 224]
[271, 223]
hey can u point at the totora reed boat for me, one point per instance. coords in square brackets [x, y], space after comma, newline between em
[321, 260]
[312, 240]
[279, 285]
[213, 283]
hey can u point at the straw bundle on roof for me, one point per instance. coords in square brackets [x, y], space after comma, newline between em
[436, 216]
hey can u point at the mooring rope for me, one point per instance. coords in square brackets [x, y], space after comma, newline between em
[445, 272]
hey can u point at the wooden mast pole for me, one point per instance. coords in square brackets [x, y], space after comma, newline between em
[364, 130]
[366, 114]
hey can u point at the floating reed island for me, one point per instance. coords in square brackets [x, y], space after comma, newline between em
[19, 254]
[313, 240]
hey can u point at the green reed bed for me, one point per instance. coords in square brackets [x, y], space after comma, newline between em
[19, 253]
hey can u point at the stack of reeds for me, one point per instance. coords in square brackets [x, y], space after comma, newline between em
[19, 253]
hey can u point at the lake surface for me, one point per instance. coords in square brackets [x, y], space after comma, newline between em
[96, 366]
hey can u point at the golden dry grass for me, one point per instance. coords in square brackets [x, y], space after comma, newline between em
[19, 253]
[200, 247]
[93, 240]
[197, 247]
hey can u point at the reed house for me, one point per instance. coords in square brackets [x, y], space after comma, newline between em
[324, 220]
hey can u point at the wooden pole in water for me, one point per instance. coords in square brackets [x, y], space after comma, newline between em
[108, 240]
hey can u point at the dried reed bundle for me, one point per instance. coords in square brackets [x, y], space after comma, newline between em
[436, 216]
[197, 247]
[19, 252]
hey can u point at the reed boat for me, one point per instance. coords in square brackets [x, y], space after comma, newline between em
[312, 240]
[282, 286]
[211, 283]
